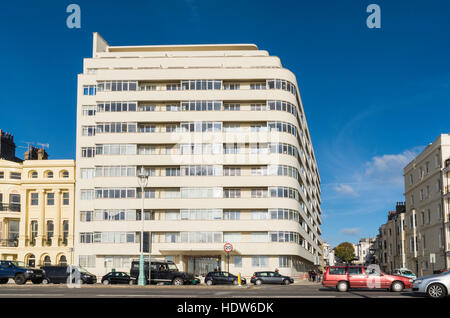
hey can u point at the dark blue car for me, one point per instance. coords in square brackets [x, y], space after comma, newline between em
[20, 273]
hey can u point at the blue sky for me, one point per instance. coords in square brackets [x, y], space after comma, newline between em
[373, 97]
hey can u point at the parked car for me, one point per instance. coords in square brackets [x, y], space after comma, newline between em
[60, 274]
[216, 278]
[434, 286]
[259, 278]
[163, 272]
[117, 278]
[346, 277]
[20, 272]
[404, 272]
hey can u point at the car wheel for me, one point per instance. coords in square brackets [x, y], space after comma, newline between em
[258, 282]
[286, 282]
[19, 279]
[342, 286]
[397, 287]
[105, 282]
[46, 281]
[177, 281]
[436, 291]
[209, 282]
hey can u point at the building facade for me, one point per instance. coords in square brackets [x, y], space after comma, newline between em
[392, 239]
[427, 208]
[221, 132]
[36, 209]
[328, 254]
[364, 251]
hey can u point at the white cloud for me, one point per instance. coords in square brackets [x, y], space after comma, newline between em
[389, 168]
[345, 189]
[355, 231]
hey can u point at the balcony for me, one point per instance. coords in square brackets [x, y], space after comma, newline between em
[9, 242]
[12, 207]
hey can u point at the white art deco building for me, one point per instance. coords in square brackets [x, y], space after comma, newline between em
[221, 131]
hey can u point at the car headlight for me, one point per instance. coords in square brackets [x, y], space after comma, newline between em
[29, 271]
[43, 272]
[411, 280]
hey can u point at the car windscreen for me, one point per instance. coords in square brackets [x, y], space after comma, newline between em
[407, 273]
[19, 264]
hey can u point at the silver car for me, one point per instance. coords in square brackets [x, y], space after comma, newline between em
[435, 286]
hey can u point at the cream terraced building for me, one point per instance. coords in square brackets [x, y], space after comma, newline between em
[221, 131]
[37, 211]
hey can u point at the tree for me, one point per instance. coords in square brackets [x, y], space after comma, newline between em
[345, 251]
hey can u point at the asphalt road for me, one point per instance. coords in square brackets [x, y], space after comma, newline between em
[124, 291]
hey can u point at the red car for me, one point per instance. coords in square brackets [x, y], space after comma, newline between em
[345, 277]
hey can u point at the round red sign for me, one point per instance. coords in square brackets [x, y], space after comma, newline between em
[228, 247]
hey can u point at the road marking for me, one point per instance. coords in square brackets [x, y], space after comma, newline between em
[144, 295]
[34, 295]
[287, 296]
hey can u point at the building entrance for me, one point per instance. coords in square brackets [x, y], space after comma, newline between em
[200, 266]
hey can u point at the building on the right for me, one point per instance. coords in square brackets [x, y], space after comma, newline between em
[427, 196]
[363, 251]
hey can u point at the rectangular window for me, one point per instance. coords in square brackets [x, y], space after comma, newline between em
[66, 198]
[237, 261]
[34, 198]
[260, 261]
[15, 175]
[50, 198]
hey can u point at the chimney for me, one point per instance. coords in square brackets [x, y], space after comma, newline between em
[35, 153]
[7, 146]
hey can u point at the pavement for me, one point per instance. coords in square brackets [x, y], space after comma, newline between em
[302, 289]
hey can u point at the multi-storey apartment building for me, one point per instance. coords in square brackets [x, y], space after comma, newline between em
[392, 239]
[222, 134]
[36, 206]
[427, 208]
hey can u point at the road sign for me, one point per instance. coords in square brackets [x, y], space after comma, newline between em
[228, 247]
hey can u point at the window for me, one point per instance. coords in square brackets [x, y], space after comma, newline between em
[232, 193]
[66, 198]
[355, 271]
[49, 174]
[34, 198]
[50, 229]
[232, 237]
[14, 202]
[259, 215]
[259, 237]
[50, 198]
[231, 215]
[87, 152]
[237, 261]
[108, 86]
[87, 194]
[65, 231]
[34, 175]
[88, 130]
[15, 175]
[65, 174]
[260, 261]
[87, 260]
[87, 173]
[88, 110]
[2, 174]
[89, 90]
[284, 261]
[337, 271]
[231, 171]
[34, 231]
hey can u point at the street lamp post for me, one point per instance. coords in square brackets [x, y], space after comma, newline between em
[143, 179]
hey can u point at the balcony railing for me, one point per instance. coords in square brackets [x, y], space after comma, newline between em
[9, 242]
[12, 207]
